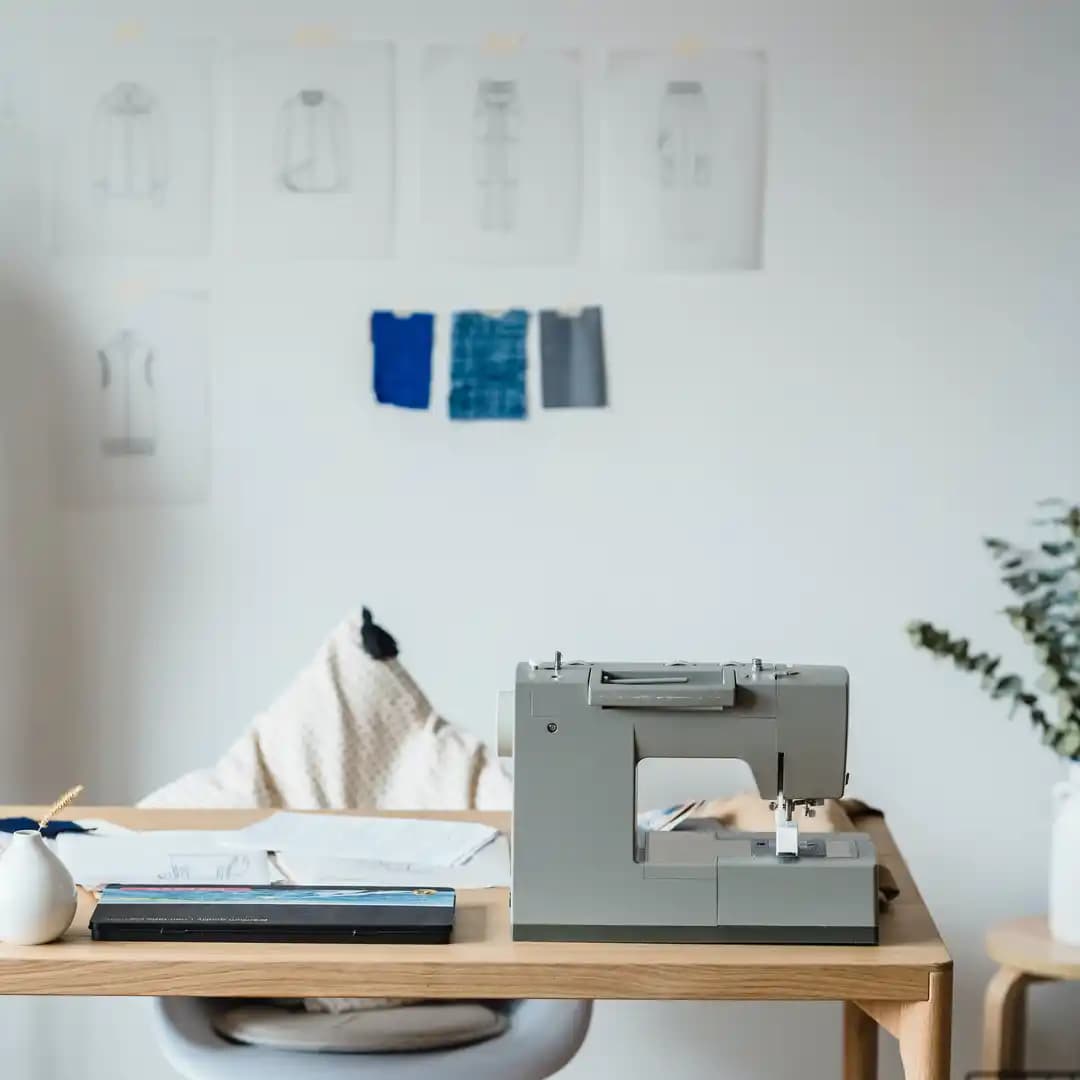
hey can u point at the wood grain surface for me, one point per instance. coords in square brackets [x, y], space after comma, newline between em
[482, 960]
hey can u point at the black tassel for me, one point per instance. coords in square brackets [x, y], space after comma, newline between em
[378, 644]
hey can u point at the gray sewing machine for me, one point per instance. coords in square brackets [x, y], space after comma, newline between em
[583, 872]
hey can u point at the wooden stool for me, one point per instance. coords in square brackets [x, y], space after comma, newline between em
[1026, 954]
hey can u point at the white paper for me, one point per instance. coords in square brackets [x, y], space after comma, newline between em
[489, 868]
[132, 419]
[501, 154]
[685, 159]
[313, 132]
[197, 857]
[401, 841]
[130, 134]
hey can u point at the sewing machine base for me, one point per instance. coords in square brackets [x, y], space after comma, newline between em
[715, 935]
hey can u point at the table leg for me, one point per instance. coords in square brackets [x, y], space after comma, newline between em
[926, 1032]
[1004, 1020]
[860, 1044]
[922, 1028]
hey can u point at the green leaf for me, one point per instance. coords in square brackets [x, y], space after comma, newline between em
[1069, 743]
[1056, 550]
[1010, 684]
[1049, 680]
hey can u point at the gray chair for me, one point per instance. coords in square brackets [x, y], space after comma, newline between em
[542, 1037]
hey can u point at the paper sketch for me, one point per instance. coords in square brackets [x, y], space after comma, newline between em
[501, 164]
[496, 161]
[684, 146]
[132, 408]
[312, 146]
[130, 131]
[128, 412]
[686, 159]
[314, 156]
[129, 146]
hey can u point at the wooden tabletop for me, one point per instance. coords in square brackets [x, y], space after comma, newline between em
[1025, 945]
[482, 960]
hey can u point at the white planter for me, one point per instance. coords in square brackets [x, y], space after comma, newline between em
[1065, 860]
[37, 895]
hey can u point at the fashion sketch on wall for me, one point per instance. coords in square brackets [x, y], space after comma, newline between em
[129, 145]
[686, 159]
[314, 155]
[496, 160]
[130, 131]
[501, 154]
[312, 145]
[128, 408]
[132, 418]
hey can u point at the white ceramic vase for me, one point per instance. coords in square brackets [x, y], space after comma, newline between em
[37, 895]
[1065, 860]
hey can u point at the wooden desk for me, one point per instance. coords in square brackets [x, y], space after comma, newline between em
[904, 984]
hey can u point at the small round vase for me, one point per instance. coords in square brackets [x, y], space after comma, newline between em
[37, 895]
[1065, 860]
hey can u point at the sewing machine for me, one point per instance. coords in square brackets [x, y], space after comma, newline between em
[582, 871]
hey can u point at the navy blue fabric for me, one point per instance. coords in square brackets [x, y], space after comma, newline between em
[402, 346]
[54, 828]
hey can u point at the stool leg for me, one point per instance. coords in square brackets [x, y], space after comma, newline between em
[1004, 1020]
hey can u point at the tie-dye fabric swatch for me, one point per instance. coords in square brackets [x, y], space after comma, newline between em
[487, 366]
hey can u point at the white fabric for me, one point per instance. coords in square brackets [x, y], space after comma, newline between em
[370, 1031]
[350, 732]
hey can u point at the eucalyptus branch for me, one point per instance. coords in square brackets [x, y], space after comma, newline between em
[1046, 582]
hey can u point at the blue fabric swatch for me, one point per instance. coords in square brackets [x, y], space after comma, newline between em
[487, 366]
[402, 346]
[50, 832]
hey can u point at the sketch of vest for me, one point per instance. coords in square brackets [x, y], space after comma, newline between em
[128, 148]
[129, 412]
[312, 144]
[684, 142]
[496, 138]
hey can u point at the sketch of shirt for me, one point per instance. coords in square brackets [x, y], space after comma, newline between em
[496, 135]
[312, 144]
[129, 413]
[128, 151]
[684, 142]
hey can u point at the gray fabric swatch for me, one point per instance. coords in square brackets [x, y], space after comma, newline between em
[572, 359]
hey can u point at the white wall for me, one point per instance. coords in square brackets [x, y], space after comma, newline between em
[796, 462]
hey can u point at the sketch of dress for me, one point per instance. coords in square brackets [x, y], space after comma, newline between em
[128, 148]
[312, 144]
[684, 145]
[129, 413]
[496, 134]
